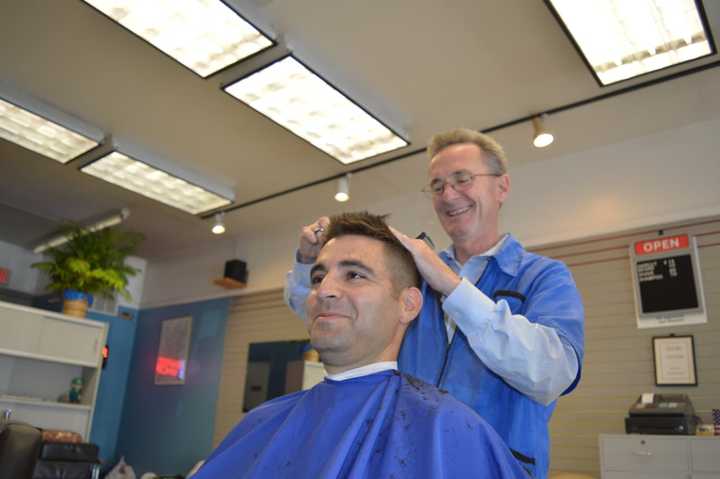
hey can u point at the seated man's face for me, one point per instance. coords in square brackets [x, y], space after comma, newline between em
[354, 311]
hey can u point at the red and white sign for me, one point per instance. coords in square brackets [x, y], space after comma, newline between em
[662, 245]
[4, 276]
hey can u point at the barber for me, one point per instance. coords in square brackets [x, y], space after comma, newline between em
[501, 329]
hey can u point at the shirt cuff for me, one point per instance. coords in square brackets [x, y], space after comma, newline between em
[301, 274]
[469, 307]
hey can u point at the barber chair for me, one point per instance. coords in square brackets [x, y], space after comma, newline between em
[19, 448]
[26, 453]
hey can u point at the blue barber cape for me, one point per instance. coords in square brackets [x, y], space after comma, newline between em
[383, 425]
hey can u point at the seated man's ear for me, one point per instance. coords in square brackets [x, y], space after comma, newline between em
[411, 302]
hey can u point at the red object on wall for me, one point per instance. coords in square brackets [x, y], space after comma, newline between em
[105, 355]
[4, 276]
[169, 367]
[662, 245]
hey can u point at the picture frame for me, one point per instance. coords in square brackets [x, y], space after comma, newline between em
[172, 356]
[674, 360]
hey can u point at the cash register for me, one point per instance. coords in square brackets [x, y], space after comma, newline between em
[661, 414]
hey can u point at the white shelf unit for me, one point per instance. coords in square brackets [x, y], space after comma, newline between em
[639, 456]
[40, 353]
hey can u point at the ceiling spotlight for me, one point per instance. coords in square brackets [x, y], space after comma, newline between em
[343, 191]
[219, 226]
[541, 137]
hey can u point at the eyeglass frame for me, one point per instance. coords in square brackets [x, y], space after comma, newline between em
[428, 189]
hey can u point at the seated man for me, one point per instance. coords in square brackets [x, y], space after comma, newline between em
[366, 420]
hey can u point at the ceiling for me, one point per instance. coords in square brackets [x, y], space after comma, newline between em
[421, 66]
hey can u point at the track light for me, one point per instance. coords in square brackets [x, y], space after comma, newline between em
[107, 222]
[541, 137]
[219, 226]
[343, 191]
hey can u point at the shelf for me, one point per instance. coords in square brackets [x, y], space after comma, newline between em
[229, 283]
[50, 359]
[43, 403]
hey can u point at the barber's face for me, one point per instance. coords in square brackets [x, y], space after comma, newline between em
[467, 211]
[352, 311]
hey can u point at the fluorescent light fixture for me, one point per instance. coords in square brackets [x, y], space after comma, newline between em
[291, 95]
[204, 35]
[343, 191]
[42, 129]
[140, 177]
[111, 220]
[541, 137]
[622, 39]
[219, 225]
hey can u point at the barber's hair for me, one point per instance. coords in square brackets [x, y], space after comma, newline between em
[362, 223]
[494, 153]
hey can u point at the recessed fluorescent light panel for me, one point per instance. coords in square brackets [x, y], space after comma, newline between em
[290, 94]
[622, 39]
[149, 181]
[204, 35]
[42, 136]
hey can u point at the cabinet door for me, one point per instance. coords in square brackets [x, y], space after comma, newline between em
[19, 330]
[71, 341]
[644, 475]
[705, 453]
[646, 454]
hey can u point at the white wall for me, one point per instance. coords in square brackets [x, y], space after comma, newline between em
[187, 277]
[664, 177]
[22, 276]
[656, 179]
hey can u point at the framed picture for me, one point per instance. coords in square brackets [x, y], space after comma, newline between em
[172, 357]
[674, 358]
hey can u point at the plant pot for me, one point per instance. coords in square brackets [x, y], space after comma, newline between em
[75, 303]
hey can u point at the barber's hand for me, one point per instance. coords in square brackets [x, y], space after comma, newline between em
[433, 269]
[311, 240]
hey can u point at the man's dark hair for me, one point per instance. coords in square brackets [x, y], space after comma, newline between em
[362, 223]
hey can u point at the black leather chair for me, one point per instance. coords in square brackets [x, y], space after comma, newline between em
[19, 448]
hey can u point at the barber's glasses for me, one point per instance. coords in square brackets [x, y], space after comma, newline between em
[459, 180]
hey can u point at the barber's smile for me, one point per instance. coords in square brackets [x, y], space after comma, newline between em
[459, 210]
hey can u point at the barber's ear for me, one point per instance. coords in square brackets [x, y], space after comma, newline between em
[411, 300]
[503, 187]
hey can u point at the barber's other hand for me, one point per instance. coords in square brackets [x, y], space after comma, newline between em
[312, 237]
[438, 275]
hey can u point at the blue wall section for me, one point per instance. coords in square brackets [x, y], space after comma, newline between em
[167, 429]
[113, 380]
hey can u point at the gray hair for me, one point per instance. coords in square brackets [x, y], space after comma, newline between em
[494, 153]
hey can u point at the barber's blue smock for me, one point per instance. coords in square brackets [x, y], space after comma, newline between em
[382, 425]
[522, 287]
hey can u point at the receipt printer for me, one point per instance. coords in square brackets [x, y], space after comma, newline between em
[661, 414]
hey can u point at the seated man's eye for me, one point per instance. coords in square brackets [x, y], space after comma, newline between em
[354, 275]
[316, 279]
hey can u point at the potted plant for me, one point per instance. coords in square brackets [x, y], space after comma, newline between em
[90, 263]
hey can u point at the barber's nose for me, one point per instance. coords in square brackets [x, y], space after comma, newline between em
[449, 192]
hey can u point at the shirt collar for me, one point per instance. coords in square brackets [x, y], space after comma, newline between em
[363, 370]
[507, 252]
[450, 251]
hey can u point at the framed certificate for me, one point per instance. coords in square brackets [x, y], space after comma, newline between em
[674, 358]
